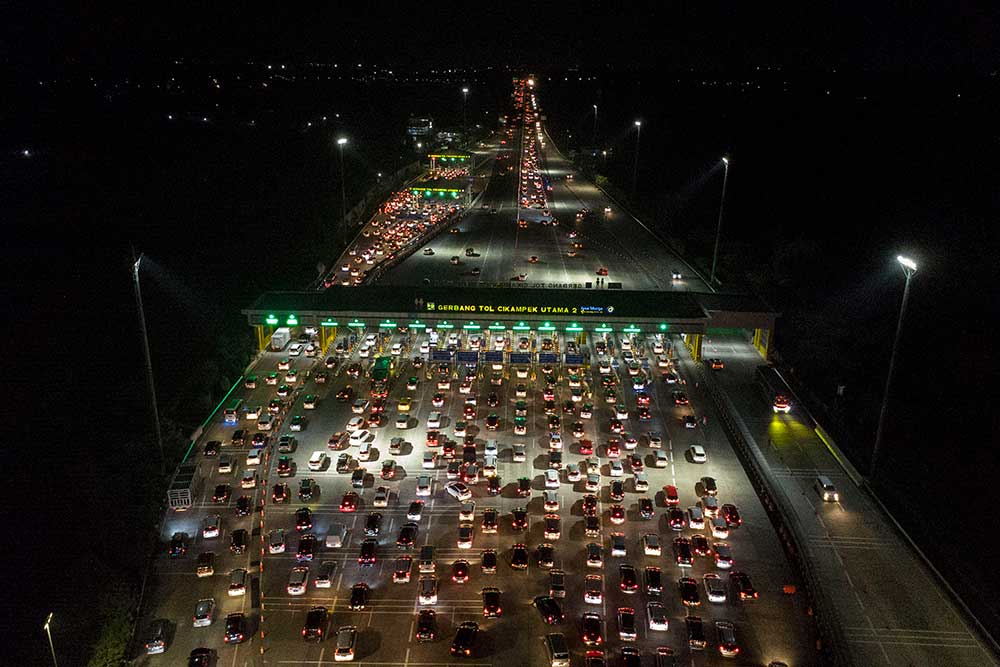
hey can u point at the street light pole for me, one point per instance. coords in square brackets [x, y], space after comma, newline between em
[343, 191]
[635, 167]
[465, 95]
[909, 268]
[594, 143]
[718, 228]
[149, 361]
[48, 622]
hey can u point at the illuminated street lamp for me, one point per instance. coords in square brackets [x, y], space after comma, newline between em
[149, 367]
[635, 167]
[341, 142]
[718, 228]
[465, 95]
[909, 268]
[48, 631]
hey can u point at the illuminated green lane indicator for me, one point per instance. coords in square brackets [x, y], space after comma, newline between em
[328, 323]
[632, 329]
[471, 326]
[271, 319]
[604, 328]
[292, 321]
[445, 325]
[356, 323]
[387, 324]
[418, 325]
[521, 326]
[496, 326]
[547, 326]
[574, 327]
[664, 326]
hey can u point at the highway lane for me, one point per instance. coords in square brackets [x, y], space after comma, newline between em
[893, 610]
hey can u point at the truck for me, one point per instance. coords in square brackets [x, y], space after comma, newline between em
[180, 494]
[280, 338]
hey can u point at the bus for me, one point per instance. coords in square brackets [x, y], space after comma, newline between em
[776, 392]
[231, 414]
[381, 374]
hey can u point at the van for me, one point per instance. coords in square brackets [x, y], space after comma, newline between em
[826, 490]
[558, 650]
[427, 563]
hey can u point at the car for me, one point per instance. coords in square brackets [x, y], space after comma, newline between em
[651, 544]
[698, 454]
[552, 529]
[676, 518]
[551, 478]
[549, 609]
[235, 632]
[723, 555]
[343, 463]
[519, 557]
[402, 569]
[307, 548]
[315, 625]
[744, 588]
[617, 490]
[715, 588]
[426, 629]
[367, 556]
[349, 502]
[244, 506]
[700, 545]
[303, 519]
[237, 582]
[654, 580]
[679, 398]
[593, 586]
[688, 589]
[731, 515]
[670, 495]
[612, 450]
[465, 639]
[466, 531]
[720, 529]
[626, 624]
[221, 494]
[682, 551]
[628, 578]
[307, 489]
[249, 479]
[359, 597]
[459, 491]
[616, 514]
[210, 526]
[460, 571]
[591, 631]
[298, 423]
[360, 437]
[727, 639]
[602, 271]
[424, 485]
[696, 518]
[347, 637]
[373, 524]
[427, 590]
[297, 579]
[358, 478]
[615, 468]
[489, 561]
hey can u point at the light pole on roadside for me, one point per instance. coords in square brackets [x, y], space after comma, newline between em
[149, 360]
[718, 227]
[909, 268]
[594, 143]
[341, 142]
[465, 95]
[635, 167]
[48, 631]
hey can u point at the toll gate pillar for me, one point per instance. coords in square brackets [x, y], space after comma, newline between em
[762, 341]
[262, 337]
[693, 344]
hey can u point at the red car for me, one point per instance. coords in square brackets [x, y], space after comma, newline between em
[732, 516]
[613, 451]
[349, 503]
[670, 495]
[603, 271]
[586, 447]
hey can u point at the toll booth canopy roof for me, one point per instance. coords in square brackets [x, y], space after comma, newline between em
[458, 303]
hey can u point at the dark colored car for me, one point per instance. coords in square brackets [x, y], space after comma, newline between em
[178, 545]
[426, 626]
[244, 506]
[549, 609]
[491, 602]
[235, 632]
[307, 548]
[349, 503]
[460, 571]
[212, 448]
[315, 625]
[591, 631]
[373, 524]
[523, 487]
[519, 518]
[732, 516]
[359, 597]
[465, 639]
[688, 589]
[367, 556]
[654, 580]
[493, 486]
[646, 508]
[307, 489]
[303, 519]
[589, 505]
[221, 494]
[388, 469]
[407, 535]
[682, 551]
[617, 490]
[285, 466]
[280, 493]
[238, 541]
[519, 557]
[743, 586]
[628, 578]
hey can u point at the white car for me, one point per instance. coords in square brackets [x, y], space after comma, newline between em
[522, 372]
[359, 437]
[430, 461]
[459, 491]
[723, 555]
[617, 469]
[573, 473]
[276, 541]
[696, 518]
[324, 578]
[715, 588]
[297, 580]
[657, 616]
[423, 485]
[593, 589]
[397, 349]
[355, 423]
[254, 456]
[359, 406]
[365, 450]
[317, 460]
[428, 590]
[252, 412]
[720, 529]
[311, 350]
[698, 454]
[651, 544]
[555, 442]
[249, 479]
[364, 350]
[265, 422]
[593, 484]
[491, 448]
[415, 510]
[467, 512]
[551, 479]
[657, 347]
[710, 506]
[294, 350]
[425, 348]
[210, 526]
[434, 420]
[237, 582]
[381, 497]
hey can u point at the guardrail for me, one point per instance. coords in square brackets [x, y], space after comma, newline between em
[779, 509]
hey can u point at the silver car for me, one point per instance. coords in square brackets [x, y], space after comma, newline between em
[324, 578]
[204, 611]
